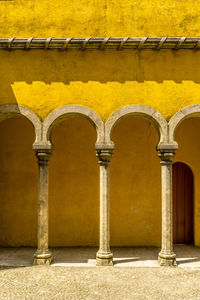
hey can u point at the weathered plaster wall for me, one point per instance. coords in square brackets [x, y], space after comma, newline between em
[18, 184]
[104, 81]
[187, 136]
[99, 18]
[74, 185]
[135, 185]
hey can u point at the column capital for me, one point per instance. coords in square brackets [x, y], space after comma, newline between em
[104, 153]
[43, 152]
[166, 152]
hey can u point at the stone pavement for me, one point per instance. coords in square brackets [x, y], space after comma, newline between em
[95, 283]
[73, 275]
[187, 256]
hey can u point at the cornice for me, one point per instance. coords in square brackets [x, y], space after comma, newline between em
[104, 43]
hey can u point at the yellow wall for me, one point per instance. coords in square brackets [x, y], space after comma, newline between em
[74, 185]
[104, 81]
[101, 80]
[187, 136]
[18, 184]
[135, 185]
[99, 18]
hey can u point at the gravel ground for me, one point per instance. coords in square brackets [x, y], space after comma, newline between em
[47, 282]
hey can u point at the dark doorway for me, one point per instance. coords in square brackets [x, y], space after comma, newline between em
[182, 203]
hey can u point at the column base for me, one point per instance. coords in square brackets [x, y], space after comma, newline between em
[43, 258]
[104, 259]
[167, 260]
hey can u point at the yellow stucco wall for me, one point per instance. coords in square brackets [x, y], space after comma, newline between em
[104, 81]
[74, 185]
[99, 18]
[18, 184]
[135, 193]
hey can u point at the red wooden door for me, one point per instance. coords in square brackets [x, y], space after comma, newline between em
[182, 203]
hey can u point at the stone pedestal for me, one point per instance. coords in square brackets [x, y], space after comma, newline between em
[104, 256]
[43, 255]
[166, 256]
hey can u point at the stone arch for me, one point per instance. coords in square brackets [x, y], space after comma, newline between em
[8, 110]
[65, 111]
[184, 113]
[137, 110]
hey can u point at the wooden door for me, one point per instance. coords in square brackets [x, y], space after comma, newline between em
[182, 203]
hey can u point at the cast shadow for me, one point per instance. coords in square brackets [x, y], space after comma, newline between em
[50, 66]
[73, 255]
[134, 254]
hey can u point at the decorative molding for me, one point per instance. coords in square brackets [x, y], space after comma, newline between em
[101, 43]
[104, 154]
[166, 153]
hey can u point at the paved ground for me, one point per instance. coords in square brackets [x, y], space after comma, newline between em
[187, 256]
[73, 275]
[49, 283]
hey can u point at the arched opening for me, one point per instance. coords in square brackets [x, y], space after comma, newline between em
[18, 183]
[135, 184]
[182, 204]
[187, 137]
[73, 185]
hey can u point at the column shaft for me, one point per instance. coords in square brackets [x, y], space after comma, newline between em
[43, 255]
[166, 255]
[104, 255]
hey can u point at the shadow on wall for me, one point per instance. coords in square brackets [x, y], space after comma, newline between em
[18, 184]
[73, 186]
[108, 66]
[135, 185]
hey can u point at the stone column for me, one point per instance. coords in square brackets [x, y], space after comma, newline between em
[104, 256]
[166, 256]
[43, 255]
